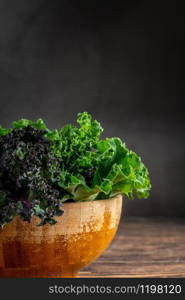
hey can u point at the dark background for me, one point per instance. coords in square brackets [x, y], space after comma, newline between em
[122, 61]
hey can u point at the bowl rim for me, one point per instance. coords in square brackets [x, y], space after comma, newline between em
[119, 196]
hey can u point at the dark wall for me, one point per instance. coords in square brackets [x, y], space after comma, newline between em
[121, 61]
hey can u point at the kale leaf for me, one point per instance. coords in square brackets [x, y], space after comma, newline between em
[41, 168]
[27, 166]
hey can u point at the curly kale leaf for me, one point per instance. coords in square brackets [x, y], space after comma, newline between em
[27, 166]
[98, 169]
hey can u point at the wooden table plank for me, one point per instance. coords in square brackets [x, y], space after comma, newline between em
[143, 248]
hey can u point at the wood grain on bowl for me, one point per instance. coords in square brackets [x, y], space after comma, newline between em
[83, 232]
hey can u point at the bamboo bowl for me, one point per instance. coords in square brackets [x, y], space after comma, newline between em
[83, 232]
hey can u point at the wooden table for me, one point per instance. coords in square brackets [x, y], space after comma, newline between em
[143, 248]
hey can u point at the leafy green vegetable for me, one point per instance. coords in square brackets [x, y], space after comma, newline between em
[26, 167]
[41, 168]
[4, 131]
[20, 124]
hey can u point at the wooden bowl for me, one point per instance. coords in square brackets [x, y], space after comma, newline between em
[61, 250]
